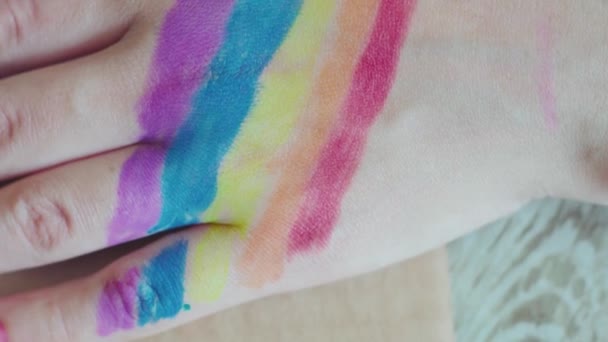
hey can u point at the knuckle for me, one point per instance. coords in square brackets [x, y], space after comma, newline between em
[59, 325]
[11, 122]
[16, 18]
[44, 223]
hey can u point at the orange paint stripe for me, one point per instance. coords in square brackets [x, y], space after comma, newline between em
[264, 256]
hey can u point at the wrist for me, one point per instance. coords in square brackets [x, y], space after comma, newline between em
[472, 78]
[580, 84]
[537, 74]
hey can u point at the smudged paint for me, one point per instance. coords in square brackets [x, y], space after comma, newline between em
[190, 37]
[314, 109]
[546, 81]
[117, 306]
[3, 333]
[342, 154]
[220, 107]
[264, 257]
[144, 294]
[211, 260]
[161, 289]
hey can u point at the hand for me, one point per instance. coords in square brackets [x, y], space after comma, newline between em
[299, 142]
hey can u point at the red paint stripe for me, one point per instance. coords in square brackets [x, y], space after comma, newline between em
[343, 152]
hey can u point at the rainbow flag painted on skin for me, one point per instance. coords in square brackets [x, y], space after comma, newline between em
[261, 110]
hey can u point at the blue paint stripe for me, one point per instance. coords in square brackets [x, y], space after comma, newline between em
[255, 32]
[161, 288]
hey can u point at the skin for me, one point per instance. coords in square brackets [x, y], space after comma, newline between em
[445, 116]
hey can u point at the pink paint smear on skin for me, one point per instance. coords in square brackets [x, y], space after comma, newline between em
[3, 333]
[546, 81]
[343, 152]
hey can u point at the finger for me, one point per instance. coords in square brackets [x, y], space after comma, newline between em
[72, 110]
[38, 32]
[180, 278]
[61, 213]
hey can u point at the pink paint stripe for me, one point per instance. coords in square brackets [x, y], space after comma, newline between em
[342, 154]
[546, 82]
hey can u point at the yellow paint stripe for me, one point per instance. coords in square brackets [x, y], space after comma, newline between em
[286, 84]
[211, 259]
[244, 176]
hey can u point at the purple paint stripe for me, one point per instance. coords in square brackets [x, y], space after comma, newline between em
[191, 36]
[117, 306]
